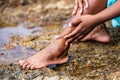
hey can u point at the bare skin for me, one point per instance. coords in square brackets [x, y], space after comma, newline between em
[57, 54]
[90, 21]
[99, 33]
[79, 4]
[50, 55]
[54, 53]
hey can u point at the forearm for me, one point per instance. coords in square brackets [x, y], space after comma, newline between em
[109, 13]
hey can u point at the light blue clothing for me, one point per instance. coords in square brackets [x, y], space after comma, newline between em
[115, 21]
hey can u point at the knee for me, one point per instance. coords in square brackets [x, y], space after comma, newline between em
[95, 6]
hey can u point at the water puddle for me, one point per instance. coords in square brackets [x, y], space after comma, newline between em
[7, 32]
[18, 52]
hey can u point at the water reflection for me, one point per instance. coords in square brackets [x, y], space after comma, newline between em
[20, 30]
[18, 52]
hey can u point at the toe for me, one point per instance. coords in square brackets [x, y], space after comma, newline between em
[25, 64]
[21, 62]
[28, 66]
[32, 67]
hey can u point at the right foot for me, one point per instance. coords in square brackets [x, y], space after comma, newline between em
[55, 53]
[99, 34]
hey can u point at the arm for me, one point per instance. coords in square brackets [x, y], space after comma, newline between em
[109, 13]
[89, 22]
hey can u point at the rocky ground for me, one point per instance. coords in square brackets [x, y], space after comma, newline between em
[26, 29]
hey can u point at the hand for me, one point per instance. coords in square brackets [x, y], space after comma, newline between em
[79, 6]
[83, 28]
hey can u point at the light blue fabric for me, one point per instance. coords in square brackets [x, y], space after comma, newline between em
[115, 21]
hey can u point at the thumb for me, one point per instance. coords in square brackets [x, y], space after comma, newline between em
[75, 22]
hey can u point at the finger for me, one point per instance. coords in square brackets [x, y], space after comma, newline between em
[73, 39]
[75, 22]
[75, 32]
[80, 37]
[86, 3]
[75, 7]
[80, 7]
[69, 41]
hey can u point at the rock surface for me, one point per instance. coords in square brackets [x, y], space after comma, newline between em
[29, 27]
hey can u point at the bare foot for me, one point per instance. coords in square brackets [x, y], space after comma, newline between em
[99, 34]
[55, 53]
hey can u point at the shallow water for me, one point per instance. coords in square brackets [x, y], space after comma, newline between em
[7, 32]
[17, 52]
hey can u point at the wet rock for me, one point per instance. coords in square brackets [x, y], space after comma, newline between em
[88, 60]
[29, 38]
[29, 24]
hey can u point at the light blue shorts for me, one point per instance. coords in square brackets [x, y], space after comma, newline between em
[115, 21]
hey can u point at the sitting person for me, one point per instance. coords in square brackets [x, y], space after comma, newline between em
[87, 26]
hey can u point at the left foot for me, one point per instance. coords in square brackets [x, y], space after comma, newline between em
[99, 34]
[55, 53]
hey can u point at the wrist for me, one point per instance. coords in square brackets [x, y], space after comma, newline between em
[98, 19]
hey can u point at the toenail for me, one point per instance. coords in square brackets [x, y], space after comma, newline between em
[20, 61]
[28, 66]
[32, 67]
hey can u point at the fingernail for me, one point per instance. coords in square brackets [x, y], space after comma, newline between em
[73, 13]
[70, 25]
[32, 67]
[86, 6]
[80, 11]
[66, 44]
[64, 37]
[71, 44]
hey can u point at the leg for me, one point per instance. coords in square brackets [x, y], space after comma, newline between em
[100, 33]
[52, 54]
